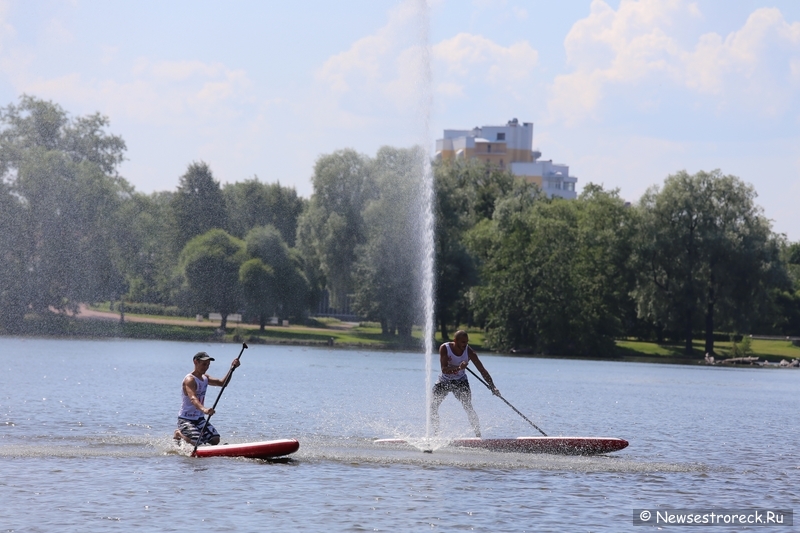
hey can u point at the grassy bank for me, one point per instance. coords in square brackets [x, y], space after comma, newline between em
[322, 333]
[770, 350]
[333, 333]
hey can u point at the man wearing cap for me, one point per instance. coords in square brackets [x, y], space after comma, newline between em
[193, 393]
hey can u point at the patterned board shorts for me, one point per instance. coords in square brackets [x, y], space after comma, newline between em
[191, 429]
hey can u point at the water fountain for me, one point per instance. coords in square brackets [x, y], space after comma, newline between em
[427, 237]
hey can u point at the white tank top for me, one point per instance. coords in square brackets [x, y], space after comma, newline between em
[455, 360]
[188, 410]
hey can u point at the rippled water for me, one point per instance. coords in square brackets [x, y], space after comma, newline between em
[85, 442]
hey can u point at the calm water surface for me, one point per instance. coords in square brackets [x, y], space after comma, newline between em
[85, 442]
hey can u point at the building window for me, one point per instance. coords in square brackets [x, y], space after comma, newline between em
[501, 136]
[489, 148]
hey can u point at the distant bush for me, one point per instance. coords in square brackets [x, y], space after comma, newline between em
[743, 348]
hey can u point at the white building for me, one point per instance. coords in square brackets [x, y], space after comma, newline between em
[511, 147]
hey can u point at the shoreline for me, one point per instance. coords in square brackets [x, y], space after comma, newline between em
[97, 324]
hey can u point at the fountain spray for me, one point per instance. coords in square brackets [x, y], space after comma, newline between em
[427, 240]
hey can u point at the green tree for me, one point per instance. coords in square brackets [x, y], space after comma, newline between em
[289, 292]
[210, 263]
[706, 255]
[198, 205]
[387, 271]
[40, 125]
[785, 318]
[553, 272]
[251, 203]
[466, 193]
[259, 286]
[63, 170]
[333, 226]
[143, 247]
[13, 291]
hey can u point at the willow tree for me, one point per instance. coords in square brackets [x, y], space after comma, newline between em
[332, 226]
[706, 255]
[388, 271]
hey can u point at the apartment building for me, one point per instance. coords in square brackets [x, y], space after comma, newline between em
[508, 147]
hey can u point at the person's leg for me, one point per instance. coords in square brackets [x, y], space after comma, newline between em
[189, 430]
[186, 431]
[464, 395]
[210, 435]
[439, 394]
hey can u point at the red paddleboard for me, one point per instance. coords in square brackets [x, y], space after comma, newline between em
[266, 449]
[552, 445]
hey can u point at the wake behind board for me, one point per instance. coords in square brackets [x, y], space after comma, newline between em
[266, 449]
[552, 445]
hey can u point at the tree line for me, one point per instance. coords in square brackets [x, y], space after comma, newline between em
[695, 256]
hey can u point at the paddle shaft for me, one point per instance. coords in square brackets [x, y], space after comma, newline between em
[225, 384]
[511, 406]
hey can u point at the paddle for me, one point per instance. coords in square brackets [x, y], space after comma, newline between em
[511, 406]
[225, 384]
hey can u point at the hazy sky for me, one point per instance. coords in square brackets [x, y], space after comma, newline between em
[625, 92]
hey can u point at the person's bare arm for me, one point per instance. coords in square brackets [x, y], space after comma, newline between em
[444, 361]
[220, 382]
[485, 373]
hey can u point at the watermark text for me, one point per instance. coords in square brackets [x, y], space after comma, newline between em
[713, 517]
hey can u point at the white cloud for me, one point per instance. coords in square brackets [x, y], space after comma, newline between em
[365, 62]
[57, 33]
[160, 92]
[641, 43]
[477, 58]
[386, 69]
[520, 12]
[108, 53]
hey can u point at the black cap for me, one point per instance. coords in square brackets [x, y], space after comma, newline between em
[202, 356]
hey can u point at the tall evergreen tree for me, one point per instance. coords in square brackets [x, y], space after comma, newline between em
[198, 205]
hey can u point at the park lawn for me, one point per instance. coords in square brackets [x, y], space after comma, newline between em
[319, 331]
[771, 350]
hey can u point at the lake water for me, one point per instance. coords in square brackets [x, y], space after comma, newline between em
[86, 426]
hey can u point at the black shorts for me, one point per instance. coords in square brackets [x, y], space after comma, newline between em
[456, 386]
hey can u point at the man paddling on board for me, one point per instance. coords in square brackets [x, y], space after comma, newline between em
[193, 393]
[454, 357]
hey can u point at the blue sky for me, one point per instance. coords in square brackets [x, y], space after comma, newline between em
[625, 92]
